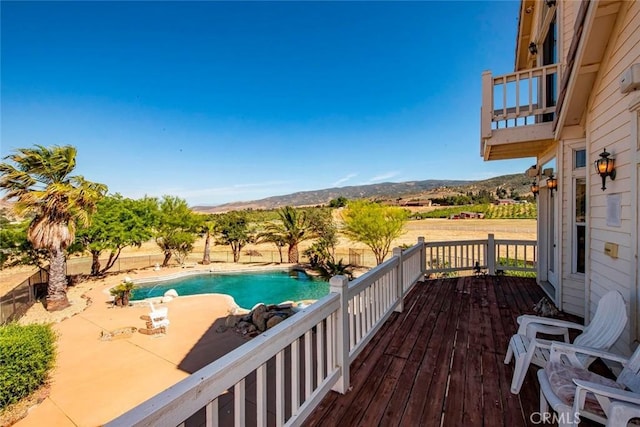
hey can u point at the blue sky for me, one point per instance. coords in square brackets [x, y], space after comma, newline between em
[225, 101]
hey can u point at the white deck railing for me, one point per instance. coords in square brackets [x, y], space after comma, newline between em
[518, 99]
[301, 359]
[490, 255]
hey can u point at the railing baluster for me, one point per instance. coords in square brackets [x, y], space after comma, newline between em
[261, 396]
[295, 375]
[280, 388]
[370, 305]
[308, 363]
[320, 354]
[331, 339]
[211, 414]
[238, 404]
[517, 95]
[352, 322]
[504, 96]
[530, 92]
[360, 318]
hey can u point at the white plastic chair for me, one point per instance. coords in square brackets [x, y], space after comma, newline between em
[603, 331]
[586, 394]
[159, 316]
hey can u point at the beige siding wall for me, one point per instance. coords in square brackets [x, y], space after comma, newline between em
[609, 126]
[567, 14]
[572, 284]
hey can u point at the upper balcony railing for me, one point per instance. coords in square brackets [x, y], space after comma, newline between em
[280, 376]
[519, 99]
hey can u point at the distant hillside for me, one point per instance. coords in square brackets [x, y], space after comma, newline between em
[384, 191]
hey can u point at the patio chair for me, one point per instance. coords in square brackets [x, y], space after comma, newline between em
[159, 317]
[574, 392]
[603, 331]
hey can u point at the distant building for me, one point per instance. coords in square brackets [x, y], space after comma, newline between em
[471, 215]
[505, 202]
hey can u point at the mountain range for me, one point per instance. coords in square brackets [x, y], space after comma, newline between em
[418, 190]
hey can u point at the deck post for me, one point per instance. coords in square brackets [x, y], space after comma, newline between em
[486, 111]
[397, 252]
[340, 285]
[423, 255]
[491, 255]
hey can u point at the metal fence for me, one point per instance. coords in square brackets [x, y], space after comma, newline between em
[17, 301]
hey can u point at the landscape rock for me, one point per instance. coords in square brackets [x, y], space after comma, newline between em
[258, 317]
[171, 293]
[232, 321]
[261, 318]
[273, 321]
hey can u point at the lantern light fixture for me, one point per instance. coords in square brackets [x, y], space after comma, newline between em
[535, 188]
[605, 167]
[552, 184]
[533, 49]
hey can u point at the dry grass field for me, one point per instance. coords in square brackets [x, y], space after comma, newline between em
[433, 230]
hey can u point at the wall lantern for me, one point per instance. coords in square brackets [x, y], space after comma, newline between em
[605, 167]
[552, 184]
[533, 49]
[535, 188]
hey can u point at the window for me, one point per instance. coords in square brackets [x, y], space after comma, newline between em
[579, 158]
[580, 191]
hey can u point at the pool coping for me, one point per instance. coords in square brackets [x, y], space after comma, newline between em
[182, 274]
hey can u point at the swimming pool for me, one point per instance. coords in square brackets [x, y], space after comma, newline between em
[247, 289]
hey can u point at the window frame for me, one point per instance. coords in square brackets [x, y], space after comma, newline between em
[578, 173]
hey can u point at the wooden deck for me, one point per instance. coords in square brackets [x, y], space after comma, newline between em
[440, 361]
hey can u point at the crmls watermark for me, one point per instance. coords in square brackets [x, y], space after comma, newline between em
[553, 418]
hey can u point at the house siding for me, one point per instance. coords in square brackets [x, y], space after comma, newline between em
[608, 124]
[572, 284]
[568, 11]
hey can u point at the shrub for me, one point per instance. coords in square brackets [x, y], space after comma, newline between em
[27, 353]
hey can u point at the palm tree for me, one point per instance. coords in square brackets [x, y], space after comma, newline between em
[42, 188]
[294, 228]
[207, 228]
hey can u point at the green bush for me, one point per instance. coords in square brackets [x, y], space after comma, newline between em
[27, 354]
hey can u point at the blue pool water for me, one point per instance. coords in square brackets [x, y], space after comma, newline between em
[247, 289]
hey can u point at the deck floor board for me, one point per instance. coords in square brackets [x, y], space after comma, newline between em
[440, 361]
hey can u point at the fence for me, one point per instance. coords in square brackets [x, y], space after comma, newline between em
[17, 301]
[357, 257]
[301, 359]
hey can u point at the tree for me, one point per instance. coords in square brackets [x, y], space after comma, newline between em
[293, 228]
[118, 222]
[274, 237]
[177, 228]
[374, 225]
[340, 202]
[207, 228]
[322, 226]
[15, 247]
[233, 230]
[40, 183]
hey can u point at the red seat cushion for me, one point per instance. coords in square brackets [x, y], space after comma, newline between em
[561, 380]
